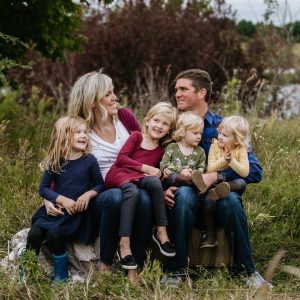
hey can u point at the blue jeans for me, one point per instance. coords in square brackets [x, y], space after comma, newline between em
[107, 209]
[230, 216]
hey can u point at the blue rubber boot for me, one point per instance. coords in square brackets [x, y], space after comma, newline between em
[60, 268]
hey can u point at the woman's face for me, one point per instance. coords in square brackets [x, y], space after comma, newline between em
[109, 102]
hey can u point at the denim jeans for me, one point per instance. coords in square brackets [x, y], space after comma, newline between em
[229, 214]
[107, 208]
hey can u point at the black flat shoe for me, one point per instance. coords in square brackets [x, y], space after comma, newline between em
[167, 248]
[128, 262]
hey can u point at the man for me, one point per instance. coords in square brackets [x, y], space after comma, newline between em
[193, 89]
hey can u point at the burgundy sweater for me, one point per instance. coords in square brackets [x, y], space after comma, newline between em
[127, 167]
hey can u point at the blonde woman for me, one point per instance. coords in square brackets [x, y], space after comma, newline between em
[230, 150]
[137, 167]
[77, 179]
[92, 97]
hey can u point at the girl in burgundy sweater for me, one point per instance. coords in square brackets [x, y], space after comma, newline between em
[137, 167]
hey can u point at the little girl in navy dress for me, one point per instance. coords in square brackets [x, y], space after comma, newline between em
[71, 179]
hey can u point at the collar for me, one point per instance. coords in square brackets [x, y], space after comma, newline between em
[209, 117]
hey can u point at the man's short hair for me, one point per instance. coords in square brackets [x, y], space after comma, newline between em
[200, 80]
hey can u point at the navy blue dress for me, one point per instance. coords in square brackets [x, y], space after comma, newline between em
[77, 177]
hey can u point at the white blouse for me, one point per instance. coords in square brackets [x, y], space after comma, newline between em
[106, 153]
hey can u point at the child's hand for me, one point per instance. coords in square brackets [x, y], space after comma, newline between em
[187, 172]
[166, 173]
[151, 171]
[82, 202]
[227, 153]
[67, 203]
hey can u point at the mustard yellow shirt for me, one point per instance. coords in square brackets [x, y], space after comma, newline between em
[217, 162]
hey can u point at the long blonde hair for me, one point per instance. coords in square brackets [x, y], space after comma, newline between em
[61, 142]
[164, 108]
[240, 129]
[86, 90]
[187, 121]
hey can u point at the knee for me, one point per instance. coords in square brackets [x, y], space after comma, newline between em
[231, 203]
[35, 235]
[186, 198]
[144, 200]
[110, 198]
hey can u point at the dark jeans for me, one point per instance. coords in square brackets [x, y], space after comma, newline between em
[107, 208]
[230, 215]
[209, 206]
[37, 235]
[130, 196]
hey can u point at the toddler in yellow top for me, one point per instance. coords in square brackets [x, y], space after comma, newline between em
[228, 151]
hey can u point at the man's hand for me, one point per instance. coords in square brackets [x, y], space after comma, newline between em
[53, 210]
[169, 196]
[187, 172]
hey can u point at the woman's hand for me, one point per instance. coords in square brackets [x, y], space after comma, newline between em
[53, 210]
[187, 172]
[151, 171]
[169, 196]
[67, 203]
[83, 201]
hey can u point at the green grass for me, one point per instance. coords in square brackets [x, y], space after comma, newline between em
[272, 206]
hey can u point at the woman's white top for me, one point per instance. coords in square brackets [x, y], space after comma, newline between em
[106, 153]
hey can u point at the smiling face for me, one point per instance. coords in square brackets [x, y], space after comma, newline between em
[80, 140]
[108, 102]
[158, 126]
[193, 136]
[226, 137]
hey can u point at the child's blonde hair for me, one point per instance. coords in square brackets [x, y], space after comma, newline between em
[61, 142]
[86, 90]
[164, 108]
[187, 121]
[240, 129]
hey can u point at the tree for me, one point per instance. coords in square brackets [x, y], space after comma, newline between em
[246, 28]
[50, 26]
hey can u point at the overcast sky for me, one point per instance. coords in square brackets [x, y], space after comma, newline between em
[254, 10]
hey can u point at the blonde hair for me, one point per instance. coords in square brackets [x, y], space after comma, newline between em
[61, 142]
[240, 129]
[164, 108]
[187, 121]
[86, 90]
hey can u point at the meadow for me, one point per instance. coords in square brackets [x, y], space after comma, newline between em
[272, 206]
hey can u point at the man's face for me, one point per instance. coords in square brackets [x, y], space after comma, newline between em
[186, 96]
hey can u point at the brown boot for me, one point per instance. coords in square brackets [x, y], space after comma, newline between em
[182, 180]
[198, 181]
[220, 191]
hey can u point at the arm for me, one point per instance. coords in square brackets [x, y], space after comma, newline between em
[215, 162]
[255, 171]
[124, 159]
[201, 164]
[45, 190]
[166, 160]
[240, 164]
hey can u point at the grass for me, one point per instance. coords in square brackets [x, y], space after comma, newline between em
[272, 206]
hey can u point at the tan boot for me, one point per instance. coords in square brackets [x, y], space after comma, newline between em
[221, 190]
[198, 181]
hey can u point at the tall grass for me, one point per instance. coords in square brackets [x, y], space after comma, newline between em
[272, 206]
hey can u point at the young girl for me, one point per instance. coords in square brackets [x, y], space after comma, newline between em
[136, 167]
[229, 151]
[76, 177]
[184, 156]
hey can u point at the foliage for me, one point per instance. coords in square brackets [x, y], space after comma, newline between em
[48, 25]
[246, 28]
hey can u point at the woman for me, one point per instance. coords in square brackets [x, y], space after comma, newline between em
[92, 98]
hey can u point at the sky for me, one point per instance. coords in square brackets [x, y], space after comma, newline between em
[253, 10]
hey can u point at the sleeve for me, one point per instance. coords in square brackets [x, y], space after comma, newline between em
[45, 190]
[215, 162]
[128, 119]
[201, 164]
[167, 157]
[255, 170]
[96, 176]
[240, 164]
[124, 159]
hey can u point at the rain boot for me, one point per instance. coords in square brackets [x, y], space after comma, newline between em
[60, 268]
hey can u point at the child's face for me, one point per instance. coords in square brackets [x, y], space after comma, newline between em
[158, 126]
[81, 138]
[193, 137]
[225, 137]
